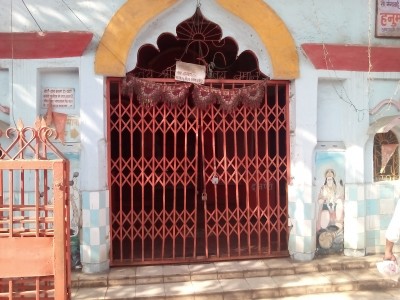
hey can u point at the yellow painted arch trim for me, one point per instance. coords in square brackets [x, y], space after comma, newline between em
[112, 53]
[273, 32]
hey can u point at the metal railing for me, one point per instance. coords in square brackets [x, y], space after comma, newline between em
[34, 216]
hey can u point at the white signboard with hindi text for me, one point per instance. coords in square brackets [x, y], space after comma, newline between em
[387, 18]
[190, 72]
[59, 97]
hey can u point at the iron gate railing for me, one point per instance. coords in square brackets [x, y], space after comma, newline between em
[34, 217]
[198, 184]
[245, 161]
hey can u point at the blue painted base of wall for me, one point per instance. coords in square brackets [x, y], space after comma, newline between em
[95, 268]
[95, 243]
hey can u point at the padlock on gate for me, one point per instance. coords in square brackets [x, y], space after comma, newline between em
[204, 196]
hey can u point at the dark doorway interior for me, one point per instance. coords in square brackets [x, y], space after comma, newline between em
[197, 183]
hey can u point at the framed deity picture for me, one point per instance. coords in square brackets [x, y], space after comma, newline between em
[387, 18]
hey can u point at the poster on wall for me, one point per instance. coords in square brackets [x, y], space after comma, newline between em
[387, 18]
[330, 197]
[72, 130]
[69, 129]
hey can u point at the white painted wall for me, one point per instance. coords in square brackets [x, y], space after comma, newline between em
[322, 102]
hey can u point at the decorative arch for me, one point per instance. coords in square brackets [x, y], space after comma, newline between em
[121, 31]
[113, 49]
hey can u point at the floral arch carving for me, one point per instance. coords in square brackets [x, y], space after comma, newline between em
[197, 41]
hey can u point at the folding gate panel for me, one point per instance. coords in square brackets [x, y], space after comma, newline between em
[198, 184]
[154, 182]
[245, 174]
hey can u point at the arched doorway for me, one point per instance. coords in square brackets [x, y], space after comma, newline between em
[198, 172]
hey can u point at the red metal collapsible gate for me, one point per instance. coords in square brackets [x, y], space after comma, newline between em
[34, 218]
[198, 184]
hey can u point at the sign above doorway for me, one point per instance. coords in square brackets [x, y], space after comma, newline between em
[190, 72]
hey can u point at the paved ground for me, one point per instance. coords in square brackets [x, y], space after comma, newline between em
[353, 295]
[332, 277]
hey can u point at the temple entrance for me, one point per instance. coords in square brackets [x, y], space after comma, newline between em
[198, 172]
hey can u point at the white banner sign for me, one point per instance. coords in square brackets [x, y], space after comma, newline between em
[59, 97]
[190, 72]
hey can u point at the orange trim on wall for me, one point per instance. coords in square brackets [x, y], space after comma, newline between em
[40, 45]
[353, 57]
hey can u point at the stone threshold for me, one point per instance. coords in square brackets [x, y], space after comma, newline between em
[219, 270]
[250, 279]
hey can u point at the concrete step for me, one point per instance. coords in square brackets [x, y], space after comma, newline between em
[389, 294]
[249, 279]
